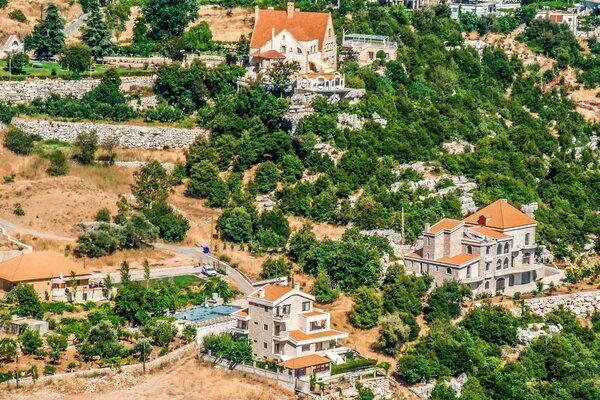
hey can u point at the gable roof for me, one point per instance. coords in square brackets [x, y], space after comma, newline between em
[303, 26]
[490, 232]
[501, 215]
[444, 224]
[459, 259]
[39, 265]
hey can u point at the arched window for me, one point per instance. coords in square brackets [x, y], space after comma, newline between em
[283, 49]
[506, 248]
[505, 263]
[469, 249]
[488, 250]
[498, 264]
[449, 271]
[499, 249]
[527, 238]
[500, 284]
[487, 285]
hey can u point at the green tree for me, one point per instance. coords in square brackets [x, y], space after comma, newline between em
[138, 232]
[493, 324]
[301, 242]
[276, 267]
[146, 265]
[235, 224]
[19, 142]
[103, 215]
[8, 348]
[161, 331]
[169, 18]
[198, 38]
[30, 341]
[172, 226]
[48, 38]
[26, 300]
[143, 348]
[59, 163]
[95, 32]
[441, 391]
[57, 344]
[124, 271]
[86, 144]
[152, 185]
[102, 341]
[446, 300]
[367, 309]
[272, 230]
[266, 177]
[323, 289]
[76, 58]
[280, 73]
[393, 333]
[18, 62]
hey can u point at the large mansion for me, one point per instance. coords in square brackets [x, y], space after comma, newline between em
[293, 35]
[491, 250]
[283, 324]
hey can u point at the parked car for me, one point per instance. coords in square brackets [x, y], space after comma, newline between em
[209, 270]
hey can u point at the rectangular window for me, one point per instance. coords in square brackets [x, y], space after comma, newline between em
[319, 346]
[299, 50]
[306, 347]
[266, 327]
[306, 306]
[265, 345]
[286, 309]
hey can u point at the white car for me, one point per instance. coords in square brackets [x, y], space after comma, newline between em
[209, 270]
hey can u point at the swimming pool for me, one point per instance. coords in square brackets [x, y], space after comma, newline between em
[200, 313]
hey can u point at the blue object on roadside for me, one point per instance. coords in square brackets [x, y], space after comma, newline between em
[206, 250]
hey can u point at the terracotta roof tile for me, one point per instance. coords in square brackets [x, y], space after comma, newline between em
[416, 254]
[272, 292]
[272, 54]
[490, 232]
[313, 313]
[241, 313]
[444, 224]
[39, 265]
[459, 259]
[303, 26]
[501, 215]
[305, 361]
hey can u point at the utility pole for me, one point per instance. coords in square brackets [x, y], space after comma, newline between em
[17, 367]
[402, 233]
[144, 358]
[212, 234]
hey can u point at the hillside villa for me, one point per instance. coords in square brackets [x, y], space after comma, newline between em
[282, 323]
[492, 250]
[52, 275]
[10, 44]
[293, 35]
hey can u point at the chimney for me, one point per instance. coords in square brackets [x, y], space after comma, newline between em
[261, 294]
[272, 38]
[427, 226]
[296, 286]
[290, 9]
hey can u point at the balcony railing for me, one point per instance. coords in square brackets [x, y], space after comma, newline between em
[281, 317]
[281, 335]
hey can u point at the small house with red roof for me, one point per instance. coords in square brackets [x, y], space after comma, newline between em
[293, 35]
[491, 250]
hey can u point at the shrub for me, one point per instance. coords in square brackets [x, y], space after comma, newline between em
[266, 177]
[71, 366]
[49, 369]
[367, 309]
[352, 365]
[276, 267]
[6, 113]
[164, 113]
[17, 15]
[18, 62]
[103, 215]
[59, 163]
[87, 145]
[18, 210]
[3, 3]
[20, 142]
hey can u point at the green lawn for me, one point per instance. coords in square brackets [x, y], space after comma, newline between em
[180, 281]
[47, 68]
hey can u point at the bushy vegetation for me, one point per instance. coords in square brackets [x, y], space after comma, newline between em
[224, 345]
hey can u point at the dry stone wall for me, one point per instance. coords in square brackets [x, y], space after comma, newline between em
[145, 137]
[24, 92]
[580, 304]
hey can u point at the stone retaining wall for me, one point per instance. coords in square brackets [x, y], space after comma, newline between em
[580, 304]
[24, 92]
[146, 137]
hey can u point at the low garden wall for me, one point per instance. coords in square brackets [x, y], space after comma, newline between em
[157, 363]
[146, 137]
[580, 304]
[24, 92]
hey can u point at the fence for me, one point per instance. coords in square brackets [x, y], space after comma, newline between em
[157, 363]
[214, 328]
[279, 378]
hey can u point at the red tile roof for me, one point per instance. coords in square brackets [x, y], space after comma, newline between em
[500, 215]
[272, 292]
[305, 361]
[490, 232]
[241, 313]
[444, 224]
[303, 26]
[300, 336]
[313, 313]
[40, 265]
[271, 54]
[459, 259]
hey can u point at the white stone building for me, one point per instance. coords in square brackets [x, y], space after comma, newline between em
[491, 250]
[10, 44]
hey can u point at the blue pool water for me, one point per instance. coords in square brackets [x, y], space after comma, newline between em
[200, 313]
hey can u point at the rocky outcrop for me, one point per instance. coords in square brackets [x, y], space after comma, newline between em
[24, 92]
[580, 304]
[145, 137]
[534, 331]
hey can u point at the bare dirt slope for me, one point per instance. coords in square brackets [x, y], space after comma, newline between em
[225, 25]
[188, 379]
[69, 10]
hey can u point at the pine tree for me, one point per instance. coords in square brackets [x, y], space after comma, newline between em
[48, 37]
[95, 32]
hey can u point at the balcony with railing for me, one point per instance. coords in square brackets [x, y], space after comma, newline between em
[240, 328]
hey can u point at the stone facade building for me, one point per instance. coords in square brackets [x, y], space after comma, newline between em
[10, 44]
[491, 250]
[293, 35]
[282, 323]
[367, 47]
